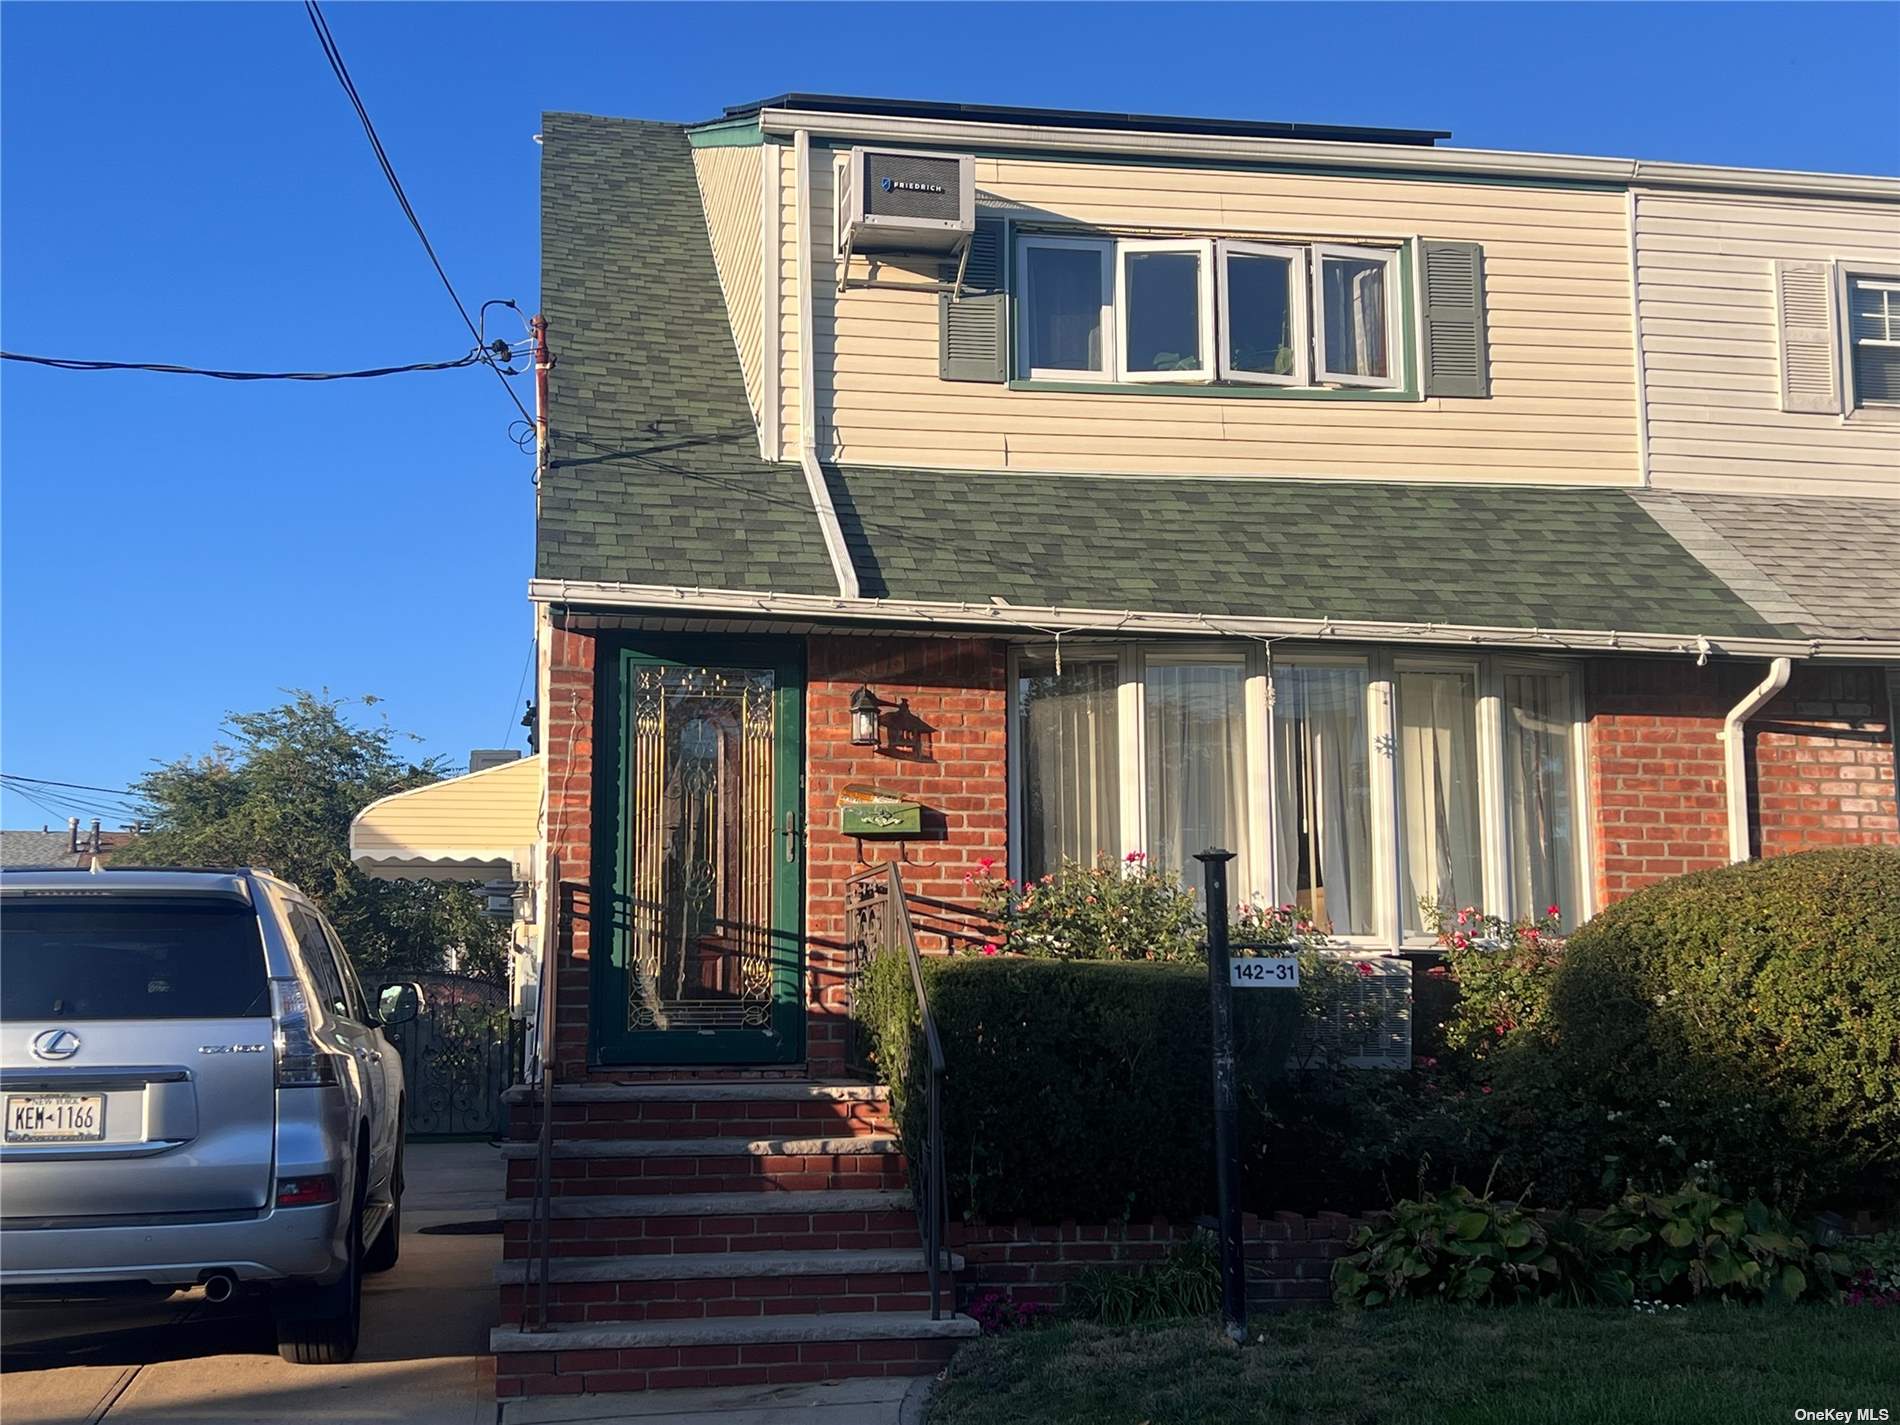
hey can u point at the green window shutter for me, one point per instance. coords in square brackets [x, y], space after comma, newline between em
[973, 343]
[1456, 355]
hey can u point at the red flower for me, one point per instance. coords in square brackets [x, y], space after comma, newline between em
[1551, 911]
[1365, 970]
[1484, 1088]
[1134, 858]
[984, 863]
[989, 949]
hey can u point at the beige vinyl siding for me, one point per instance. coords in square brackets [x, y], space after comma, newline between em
[788, 327]
[729, 191]
[1705, 267]
[1557, 276]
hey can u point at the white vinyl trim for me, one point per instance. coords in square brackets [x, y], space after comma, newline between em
[673, 601]
[833, 533]
[1202, 250]
[1105, 250]
[1395, 354]
[1295, 258]
[1305, 153]
[771, 296]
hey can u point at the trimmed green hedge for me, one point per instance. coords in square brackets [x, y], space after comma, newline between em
[1074, 1089]
[1750, 1016]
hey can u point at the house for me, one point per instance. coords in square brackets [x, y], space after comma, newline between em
[1419, 523]
[71, 848]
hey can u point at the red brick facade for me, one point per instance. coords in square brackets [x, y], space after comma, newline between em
[1820, 765]
[1820, 758]
[953, 700]
[1289, 1257]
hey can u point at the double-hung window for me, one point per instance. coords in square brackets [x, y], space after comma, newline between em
[1873, 334]
[1207, 311]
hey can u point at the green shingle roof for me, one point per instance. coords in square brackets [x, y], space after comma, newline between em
[656, 477]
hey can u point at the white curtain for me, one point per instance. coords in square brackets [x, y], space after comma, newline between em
[1197, 767]
[1538, 794]
[1321, 794]
[1071, 751]
[1438, 771]
[1368, 320]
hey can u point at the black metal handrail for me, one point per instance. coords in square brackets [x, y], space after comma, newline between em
[881, 915]
[541, 1222]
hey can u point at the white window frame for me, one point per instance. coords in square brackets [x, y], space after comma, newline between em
[1379, 783]
[1256, 875]
[1297, 289]
[1201, 248]
[1104, 248]
[1879, 281]
[1394, 354]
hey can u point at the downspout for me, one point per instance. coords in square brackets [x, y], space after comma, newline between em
[828, 526]
[1734, 753]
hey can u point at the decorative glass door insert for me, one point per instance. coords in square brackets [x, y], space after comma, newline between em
[705, 957]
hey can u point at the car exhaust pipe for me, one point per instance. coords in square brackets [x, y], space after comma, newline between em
[219, 1287]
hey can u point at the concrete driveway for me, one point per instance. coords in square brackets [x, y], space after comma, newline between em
[423, 1359]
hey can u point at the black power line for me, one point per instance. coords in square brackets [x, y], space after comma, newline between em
[342, 72]
[65, 363]
[74, 786]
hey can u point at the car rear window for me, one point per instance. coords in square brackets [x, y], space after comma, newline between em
[122, 958]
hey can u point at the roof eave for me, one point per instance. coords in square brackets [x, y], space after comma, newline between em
[673, 600]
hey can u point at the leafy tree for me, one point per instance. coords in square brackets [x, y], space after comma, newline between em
[279, 790]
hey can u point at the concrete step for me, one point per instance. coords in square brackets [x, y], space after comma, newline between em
[691, 1091]
[713, 1204]
[709, 1147]
[735, 1331]
[709, 1266]
[599, 1359]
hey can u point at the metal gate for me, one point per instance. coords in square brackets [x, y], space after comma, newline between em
[458, 1055]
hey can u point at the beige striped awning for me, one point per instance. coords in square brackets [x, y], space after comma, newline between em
[472, 828]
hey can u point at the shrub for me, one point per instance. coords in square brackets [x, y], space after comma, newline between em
[1680, 1246]
[1454, 1247]
[1074, 1089]
[1503, 971]
[1185, 1283]
[1111, 910]
[1745, 1019]
[999, 1311]
[1657, 1248]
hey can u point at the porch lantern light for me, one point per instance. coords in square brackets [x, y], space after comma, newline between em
[865, 706]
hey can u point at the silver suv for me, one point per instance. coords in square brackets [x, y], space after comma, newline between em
[195, 1091]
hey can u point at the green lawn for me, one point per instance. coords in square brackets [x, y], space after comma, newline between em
[1434, 1366]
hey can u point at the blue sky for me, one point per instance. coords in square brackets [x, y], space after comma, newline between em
[185, 183]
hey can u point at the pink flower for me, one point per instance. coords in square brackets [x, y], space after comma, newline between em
[1135, 858]
[989, 949]
[1484, 1088]
[1463, 916]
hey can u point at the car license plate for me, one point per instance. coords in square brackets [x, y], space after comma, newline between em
[56, 1118]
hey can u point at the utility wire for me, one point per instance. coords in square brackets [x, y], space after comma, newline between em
[520, 683]
[342, 72]
[65, 363]
[74, 786]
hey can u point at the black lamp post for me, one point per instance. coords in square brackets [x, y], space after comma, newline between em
[865, 706]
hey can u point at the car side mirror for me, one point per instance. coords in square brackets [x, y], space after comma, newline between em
[398, 1003]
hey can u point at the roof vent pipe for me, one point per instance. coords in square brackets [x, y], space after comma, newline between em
[1735, 753]
[72, 833]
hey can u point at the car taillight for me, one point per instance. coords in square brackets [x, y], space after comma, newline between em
[301, 1061]
[306, 1192]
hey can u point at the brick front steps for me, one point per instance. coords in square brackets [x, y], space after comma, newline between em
[716, 1234]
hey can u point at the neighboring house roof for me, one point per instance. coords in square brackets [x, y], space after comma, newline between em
[656, 480]
[1830, 566]
[54, 848]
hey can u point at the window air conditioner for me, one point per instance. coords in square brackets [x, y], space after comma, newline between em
[900, 200]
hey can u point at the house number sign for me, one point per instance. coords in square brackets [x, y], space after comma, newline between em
[1264, 972]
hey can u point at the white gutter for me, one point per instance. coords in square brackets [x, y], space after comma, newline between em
[1734, 753]
[1471, 162]
[672, 601]
[835, 547]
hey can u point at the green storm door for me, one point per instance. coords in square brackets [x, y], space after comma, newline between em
[702, 854]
